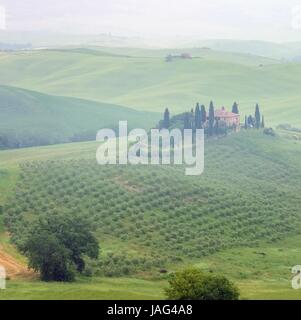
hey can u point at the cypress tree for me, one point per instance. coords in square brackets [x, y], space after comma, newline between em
[198, 117]
[235, 108]
[192, 119]
[166, 121]
[211, 118]
[203, 114]
[257, 116]
[250, 121]
[187, 122]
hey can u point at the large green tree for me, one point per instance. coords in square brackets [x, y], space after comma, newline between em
[56, 245]
[47, 255]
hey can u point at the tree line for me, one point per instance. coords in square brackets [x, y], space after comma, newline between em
[17, 140]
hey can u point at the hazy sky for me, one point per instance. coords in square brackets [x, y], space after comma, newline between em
[276, 20]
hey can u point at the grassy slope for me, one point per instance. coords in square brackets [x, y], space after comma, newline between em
[262, 272]
[144, 81]
[258, 276]
[29, 113]
[90, 289]
[147, 83]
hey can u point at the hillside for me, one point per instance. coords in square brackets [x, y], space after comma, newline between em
[248, 195]
[31, 118]
[141, 79]
[241, 218]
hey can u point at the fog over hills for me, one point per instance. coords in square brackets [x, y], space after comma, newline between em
[39, 39]
[267, 20]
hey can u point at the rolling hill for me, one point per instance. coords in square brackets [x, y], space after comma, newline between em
[31, 118]
[240, 218]
[141, 79]
[38, 39]
[148, 218]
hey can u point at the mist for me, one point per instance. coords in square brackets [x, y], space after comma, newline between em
[277, 20]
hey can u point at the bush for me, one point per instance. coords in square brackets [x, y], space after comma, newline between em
[192, 284]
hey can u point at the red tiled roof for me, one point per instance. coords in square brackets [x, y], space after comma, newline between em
[222, 113]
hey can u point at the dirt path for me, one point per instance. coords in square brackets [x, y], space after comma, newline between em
[14, 269]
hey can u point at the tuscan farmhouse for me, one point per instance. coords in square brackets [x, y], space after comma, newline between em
[230, 118]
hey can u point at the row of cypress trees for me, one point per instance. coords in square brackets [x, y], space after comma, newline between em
[198, 117]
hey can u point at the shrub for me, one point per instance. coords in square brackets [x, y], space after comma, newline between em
[192, 284]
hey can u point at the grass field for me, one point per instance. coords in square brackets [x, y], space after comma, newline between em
[141, 79]
[265, 211]
[258, 276]
[241, 218]
[31, 118]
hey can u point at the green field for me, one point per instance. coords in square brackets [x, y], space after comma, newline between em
[258, 276]
[30, 118]
[240, 218]
[141, 79]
